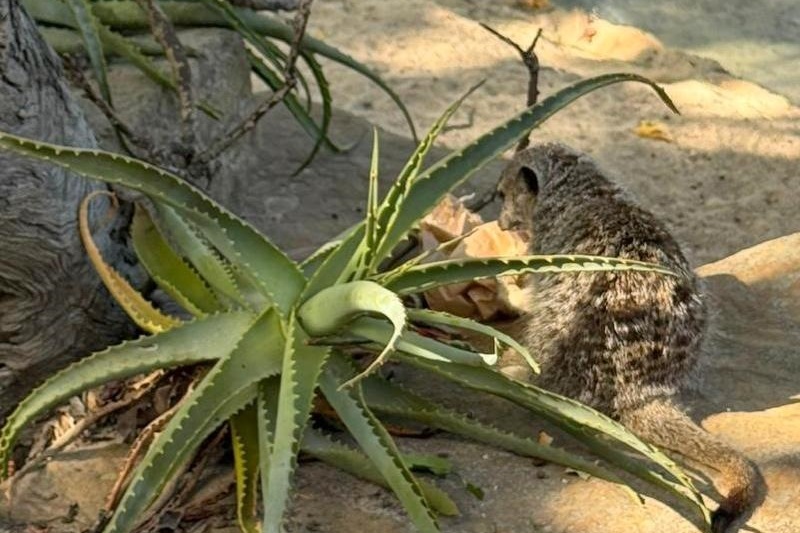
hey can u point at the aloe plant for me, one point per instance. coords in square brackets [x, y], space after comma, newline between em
[265, 370]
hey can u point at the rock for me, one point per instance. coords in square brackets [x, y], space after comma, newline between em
[67, 492]
[220, 78]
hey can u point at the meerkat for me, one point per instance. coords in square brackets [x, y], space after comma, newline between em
[622, 342]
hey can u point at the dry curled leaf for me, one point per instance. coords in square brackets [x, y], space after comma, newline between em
[533, 4]
[651, 129]
[483, 299]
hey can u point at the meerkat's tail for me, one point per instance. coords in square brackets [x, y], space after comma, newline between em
[663, 424]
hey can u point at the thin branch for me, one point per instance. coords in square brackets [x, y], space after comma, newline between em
[140, 389]
[531, 61]
[267, 5]
[142, 440]
[74, 73]
[290, 80]
[164, 32]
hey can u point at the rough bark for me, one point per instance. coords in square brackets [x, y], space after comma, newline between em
[53, 308]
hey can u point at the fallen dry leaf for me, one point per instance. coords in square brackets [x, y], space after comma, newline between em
[533, 4]
[484, 299]
[651, 129]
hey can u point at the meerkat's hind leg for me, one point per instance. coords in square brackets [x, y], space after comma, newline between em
[662, 423]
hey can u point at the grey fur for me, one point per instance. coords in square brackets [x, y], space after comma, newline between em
[621, 342]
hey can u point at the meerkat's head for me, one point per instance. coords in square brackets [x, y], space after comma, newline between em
[526, 177]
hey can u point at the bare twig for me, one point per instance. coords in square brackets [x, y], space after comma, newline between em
[177, 492]
[290, 80]
[267, 5]
[74, 73]
[531, 61]
[164, 33]
[142, 388]
[464, 125]
[144, 439]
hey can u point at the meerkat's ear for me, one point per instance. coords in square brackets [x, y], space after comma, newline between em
[530, 179]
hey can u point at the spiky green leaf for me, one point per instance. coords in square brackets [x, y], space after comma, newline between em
[372, 437]
[278, 276]
[190, 243]
[244, 440]
[330, 310]
[431, 186]
[168, 269]
[337, 265]
[356, 463]
[389, 398]
[193, 342]
[399, 190]
[581, 421]
[257, 356]
[301, 367]
[439, 318]
[412, 343]
[427, 276]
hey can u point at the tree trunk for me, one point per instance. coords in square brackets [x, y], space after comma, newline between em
[53, 307]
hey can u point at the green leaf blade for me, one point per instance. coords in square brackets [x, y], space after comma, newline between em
[376, 443]
[454, 169]
[244, 441]
[192, 342]
[302, 365]
[329, 311]
[257, 356]
[429, 275]
[279, 277]
[168, 269]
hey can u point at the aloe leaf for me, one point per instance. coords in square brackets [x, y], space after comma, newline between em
[431, 186]
[127, 15]
[278, 276]
[400, 188]
[436, 317]
[257, 356]
[372, 437]
[132, 302]
[87, 24]
[337, 266]
[168, 269]
[68, 41]
[327, 108]
[267, 402]
[214, 270]
[573, 417]
[391, 399]
[273, 81]
[356, 463]
[330, 310]
[418, 345]
[302, 365]
[429, 275]
[244, 437]
[192, 342]
[363, 257]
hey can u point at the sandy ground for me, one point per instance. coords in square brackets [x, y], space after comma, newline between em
[723, 179]
[726, 179]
